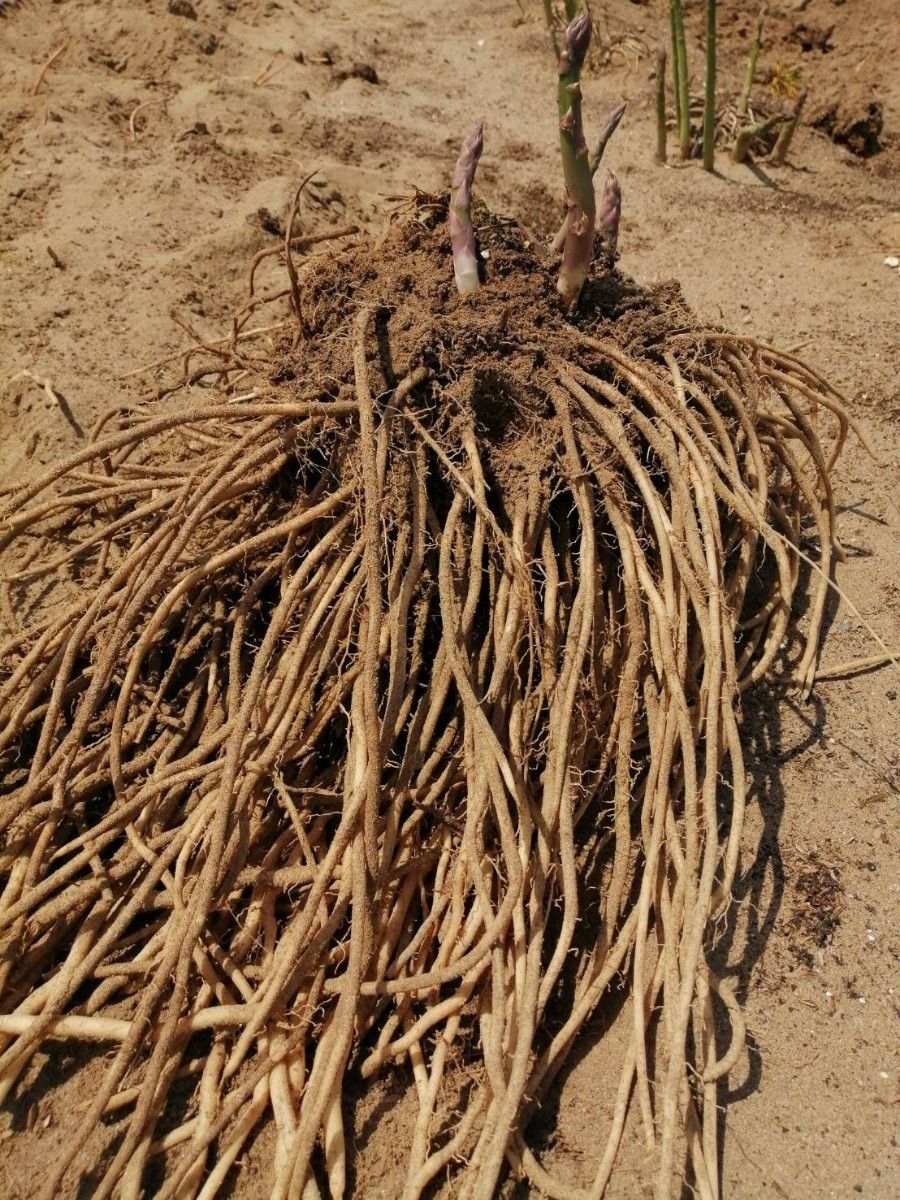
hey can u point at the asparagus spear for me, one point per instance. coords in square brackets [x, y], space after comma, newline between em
[610, 211]
[709, 103]
[683, 106]
[661, 105]
[787, 130]
[462, 235]
[744, 98]
[579, 236]
[676, 77]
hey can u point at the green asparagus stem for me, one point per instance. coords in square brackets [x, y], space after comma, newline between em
[676, 78]
[787, 130]
[683, 106]
[609, 128]
[579, 238]
[462, 235]
[709, 103]
[744, 98]
[661, 105]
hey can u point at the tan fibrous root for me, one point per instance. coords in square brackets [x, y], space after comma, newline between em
[373, 699]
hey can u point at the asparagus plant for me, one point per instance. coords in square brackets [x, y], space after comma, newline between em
[709, 102]
[462, 235]
[748, 133]
[788, 129]
[661, 105]
[744, 98]
[581, 206]
[610, 211]
[676, 82]
[682, 103]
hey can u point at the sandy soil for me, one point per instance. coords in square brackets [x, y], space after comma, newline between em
[160, 153]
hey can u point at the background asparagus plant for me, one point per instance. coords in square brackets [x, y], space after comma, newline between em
[680, 79]
[709, 104]
[738, 124]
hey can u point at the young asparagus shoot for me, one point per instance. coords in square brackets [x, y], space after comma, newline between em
[661, 105]
[744, 98]
[462, 235]
[709, 102]
[682, 105]
[610, 211]
[787, 130]
[581, 206]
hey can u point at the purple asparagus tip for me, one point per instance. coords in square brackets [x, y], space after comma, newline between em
[464, 171]
[610, 211]
[576, 42]
[462, 235]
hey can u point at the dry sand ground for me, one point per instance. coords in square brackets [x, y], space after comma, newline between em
[156, 209]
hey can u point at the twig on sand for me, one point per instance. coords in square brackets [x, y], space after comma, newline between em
[55, 396]
[46, 67]
[139, 109]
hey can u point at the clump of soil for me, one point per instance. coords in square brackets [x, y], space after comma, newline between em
[818, 904]
[855, 123]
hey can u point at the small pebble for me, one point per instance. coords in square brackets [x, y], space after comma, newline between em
[892, 261]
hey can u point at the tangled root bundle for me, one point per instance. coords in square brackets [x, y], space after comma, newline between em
[376, 702]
